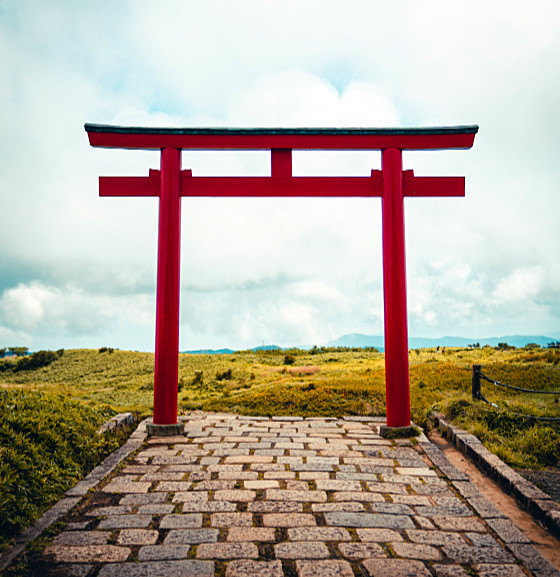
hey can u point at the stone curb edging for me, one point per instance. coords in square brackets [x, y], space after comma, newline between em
[117, 422]
[539, 504]
[74, 495]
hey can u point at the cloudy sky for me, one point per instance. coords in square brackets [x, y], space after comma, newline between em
[77, 270]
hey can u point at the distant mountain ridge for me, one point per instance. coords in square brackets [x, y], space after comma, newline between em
[229, 351]
[377, 341]
[358, 340]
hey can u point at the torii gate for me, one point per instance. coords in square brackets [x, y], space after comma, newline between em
[170, 183]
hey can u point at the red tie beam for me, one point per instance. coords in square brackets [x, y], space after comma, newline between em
[391, 183]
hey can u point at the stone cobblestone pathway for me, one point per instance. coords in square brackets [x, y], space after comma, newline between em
[249, 496]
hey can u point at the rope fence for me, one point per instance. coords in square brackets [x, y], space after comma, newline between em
[478, 376]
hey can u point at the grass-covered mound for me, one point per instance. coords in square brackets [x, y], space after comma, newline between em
[47, 443]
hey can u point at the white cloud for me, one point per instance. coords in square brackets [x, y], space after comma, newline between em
[521, 284]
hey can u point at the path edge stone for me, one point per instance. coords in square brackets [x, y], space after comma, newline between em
[75, 494]
[544, 509]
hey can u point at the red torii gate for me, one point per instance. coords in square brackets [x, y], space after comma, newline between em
[170, 183]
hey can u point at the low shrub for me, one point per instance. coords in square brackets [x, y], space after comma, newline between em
[37, 360]
[224, 375]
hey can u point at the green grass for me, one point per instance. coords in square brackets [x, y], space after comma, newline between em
[47, 443]
[49, 414]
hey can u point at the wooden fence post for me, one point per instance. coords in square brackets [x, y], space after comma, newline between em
[476, 386]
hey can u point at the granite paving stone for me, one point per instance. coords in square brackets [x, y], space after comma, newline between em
[415, 551]
[337, 485]
[416, 471]
[125, 486]
[139, 469]
[88, 553]
[215, 485]
[137, 537]
[411, 499]
[248, 568]
[125, 522]
[313, 475]
[156, 509]
[469, 554]
[391, 488]
[183, 497]
[459, 524]
[174, 459]
[430, 489]
[279, 475]
[209, 507]
[143, 499]
[267, 467]
[458, 510]
[184, 521]
[302, 496]
[79, 538]
[292, 485]
[301, 550]
[274, 507]
[261, 484]
[484, 508]
[391, 508]
[482, 540]
[251, 459]
[449, 571]
[357, 551]
[348, 507]
[507, 531]
[439, 538]
[239, 476]
[289, 520]
[258, 534]
[368, 520]
[423, 523]
[379, 535]
[395, 568]
[191, 536]
[235, 495]
[329, 568]
[231, 520]
[163, 552]
[319, 534]
[239, 550]
[111, 510]
[169, 486]
[358, 496]
[163, 476]
[180, 568]
[487, 570]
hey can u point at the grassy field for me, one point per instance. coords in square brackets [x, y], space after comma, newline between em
[76, 390]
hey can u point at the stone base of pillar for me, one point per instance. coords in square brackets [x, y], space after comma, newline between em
[165, 430]
[398, 432]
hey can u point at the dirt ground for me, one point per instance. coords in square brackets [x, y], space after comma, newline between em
[545, 543]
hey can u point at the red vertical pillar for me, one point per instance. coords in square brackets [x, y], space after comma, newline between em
[168, 289]
[394, 288]
[281, 162]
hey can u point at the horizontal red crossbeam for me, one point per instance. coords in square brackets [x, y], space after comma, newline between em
[458, 137]
[297, 186]
[130, 185]
[282, 187]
